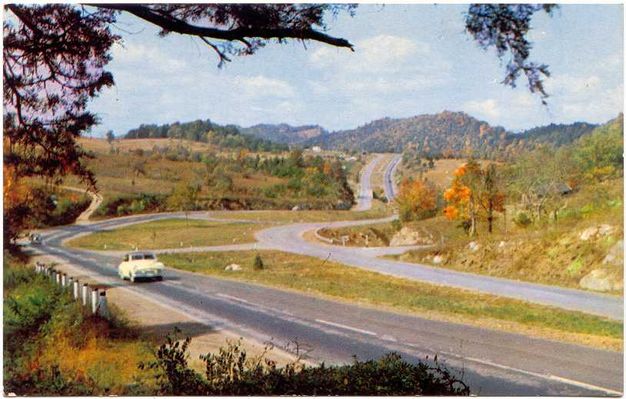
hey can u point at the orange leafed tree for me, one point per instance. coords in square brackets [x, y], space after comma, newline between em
[474, 190]
[417, 199]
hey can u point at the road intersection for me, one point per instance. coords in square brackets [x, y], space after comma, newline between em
[494, 362]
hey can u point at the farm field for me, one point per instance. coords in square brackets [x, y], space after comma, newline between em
[315, 276]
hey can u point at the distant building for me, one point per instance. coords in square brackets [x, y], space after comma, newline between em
[316, 148]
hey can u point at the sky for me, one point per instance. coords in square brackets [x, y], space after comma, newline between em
[408, 60]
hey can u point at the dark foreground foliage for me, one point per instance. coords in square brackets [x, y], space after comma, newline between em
[53, 347]
[231, 372]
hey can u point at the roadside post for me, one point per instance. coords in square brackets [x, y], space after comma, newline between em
[85, 292]
[103, 309]
[94, 300]
[75, 289]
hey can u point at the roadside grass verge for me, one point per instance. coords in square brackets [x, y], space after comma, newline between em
[313, 276]
[282, 216]
[545, 252]
[169, 233]
[53, 347]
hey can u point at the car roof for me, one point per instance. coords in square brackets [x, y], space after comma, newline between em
[141, 253]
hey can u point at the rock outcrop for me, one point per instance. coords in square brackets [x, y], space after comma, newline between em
[407, 236]
[601, 280]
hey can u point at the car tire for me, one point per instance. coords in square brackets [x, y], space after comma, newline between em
[159, 278]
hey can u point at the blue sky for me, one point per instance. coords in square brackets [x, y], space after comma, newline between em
[409, 60]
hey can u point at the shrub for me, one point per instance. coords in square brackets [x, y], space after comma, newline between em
[522, 220]
[231, 372]
[396, 224]
[258, 263]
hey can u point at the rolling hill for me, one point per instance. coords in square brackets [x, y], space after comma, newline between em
[284, 133]
[225, 136]
[447, 134]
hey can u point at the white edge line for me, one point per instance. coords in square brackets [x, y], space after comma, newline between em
[545, 376]
[330, 323]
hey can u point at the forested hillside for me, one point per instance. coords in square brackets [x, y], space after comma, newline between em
[556, 134]
[448, 134]
[284, 133]
[227, 136]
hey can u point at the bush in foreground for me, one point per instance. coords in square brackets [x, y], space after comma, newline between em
[231, 372]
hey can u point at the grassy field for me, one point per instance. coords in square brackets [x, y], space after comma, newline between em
[280, 216]
[169, 234]
[312, 275]
[137, 175]
[441, 175]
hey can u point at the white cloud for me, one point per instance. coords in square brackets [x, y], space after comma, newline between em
[378, 54]
[262, 86]
[488, 109]
[139, 54]
[380, 65]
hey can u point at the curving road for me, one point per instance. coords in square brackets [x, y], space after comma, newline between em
[366, 194]
[493, 362]
[389, 184]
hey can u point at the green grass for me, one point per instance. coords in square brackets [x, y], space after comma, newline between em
[279, 216]
[314, 276]
[169, 234]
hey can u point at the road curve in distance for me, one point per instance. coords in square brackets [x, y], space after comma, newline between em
[366, 194]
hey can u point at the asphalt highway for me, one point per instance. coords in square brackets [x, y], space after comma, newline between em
[491, 362]
[391, 189]
[364, 199]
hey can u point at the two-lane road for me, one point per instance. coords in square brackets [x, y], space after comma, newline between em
[492, 362]
[389, 184]
[366, 194]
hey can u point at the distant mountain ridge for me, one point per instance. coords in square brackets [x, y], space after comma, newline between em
[445, 134]
[284, 133]
[448, 134]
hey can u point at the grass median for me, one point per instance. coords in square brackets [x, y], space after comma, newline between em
[284, 216]
[314, 276]
[170, 233]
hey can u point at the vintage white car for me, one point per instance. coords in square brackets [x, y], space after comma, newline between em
[140, 265]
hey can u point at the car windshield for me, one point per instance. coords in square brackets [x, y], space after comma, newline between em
[142, 256]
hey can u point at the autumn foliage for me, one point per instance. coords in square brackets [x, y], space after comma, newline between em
[474, 192]
[417, 199]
